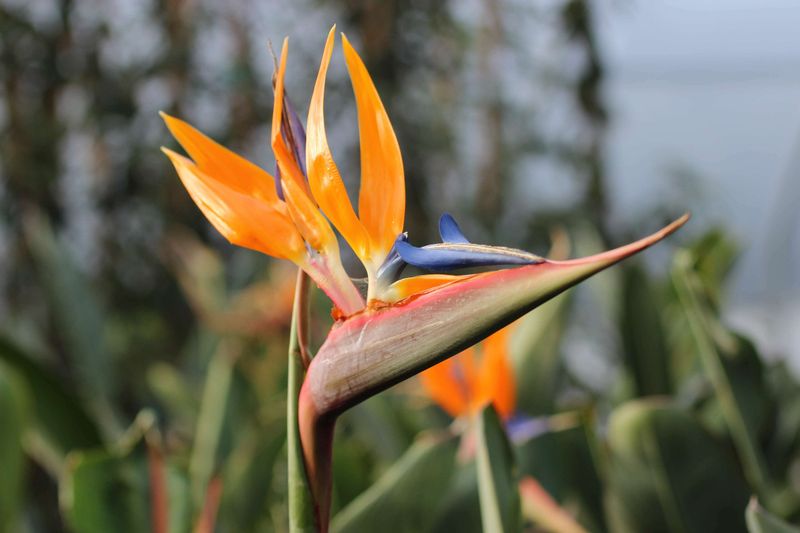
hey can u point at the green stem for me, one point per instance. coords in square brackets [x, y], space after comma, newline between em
[750, 455]
[211, 418]
[491, 518]
[498, 486]
[301, 505]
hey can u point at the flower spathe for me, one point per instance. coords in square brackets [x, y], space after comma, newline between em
[439, 321]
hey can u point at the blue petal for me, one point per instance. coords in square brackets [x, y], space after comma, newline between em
[444, 257]
[298, 133]
[449, 230]
[278, 186]
[393, 265]
[295, 136]
[521, 428]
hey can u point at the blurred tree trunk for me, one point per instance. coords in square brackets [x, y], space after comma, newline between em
[492, 168]
[579, 26]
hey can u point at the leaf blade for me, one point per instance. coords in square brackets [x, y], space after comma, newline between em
[497, 484]
[406, 495]
[759, 520]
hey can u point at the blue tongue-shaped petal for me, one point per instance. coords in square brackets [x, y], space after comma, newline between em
[449, 230]
[393, 265]
[295, 132]
[450, 256]
[278, 186]
[455, 252]
[295, 135]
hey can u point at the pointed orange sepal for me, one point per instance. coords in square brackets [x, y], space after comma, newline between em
[323, 175]
[382, 198]
[416, 284]
[309, 221]
[223, 165]
[239, 218]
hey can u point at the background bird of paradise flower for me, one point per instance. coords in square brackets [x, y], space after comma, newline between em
[142, 360]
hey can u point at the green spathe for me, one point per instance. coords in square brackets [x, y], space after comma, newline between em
[373, 350]
[381, 346]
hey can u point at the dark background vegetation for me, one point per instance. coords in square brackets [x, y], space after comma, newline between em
[116, 296]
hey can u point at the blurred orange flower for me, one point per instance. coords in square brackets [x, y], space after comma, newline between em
[465, 383]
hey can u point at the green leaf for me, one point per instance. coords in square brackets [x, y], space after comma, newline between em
[497, 477]
[407, 495]
[460, 506]
[535, 351]
[373, 436]
[174, 394]
[785, 437]
[735, 396]
[79, 318]
[111, 490]
[642, 334]
[564, 460]
[14, 406]
[759, 520]
[301, 503]
[248, 478]
[59, 421]
[106, 493]
[713, 257]
[211, 418]
[667, 474]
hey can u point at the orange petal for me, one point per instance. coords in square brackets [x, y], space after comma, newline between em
[382, 199]
[467, 372]
[277, 108]
[408, 286]
[241, 219]
[323, 175]
[283, 155]
[442, 385]
[223, 165]
[497, 376]
[307, 218]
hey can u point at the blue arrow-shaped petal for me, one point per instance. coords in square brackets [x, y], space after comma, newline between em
[450, 256]
[449, 230]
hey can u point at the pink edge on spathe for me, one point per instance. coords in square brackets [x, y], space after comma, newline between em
[373, 350]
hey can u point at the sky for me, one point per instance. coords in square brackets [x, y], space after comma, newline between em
[705, 99]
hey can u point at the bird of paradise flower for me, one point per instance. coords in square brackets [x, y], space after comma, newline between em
[401, 326]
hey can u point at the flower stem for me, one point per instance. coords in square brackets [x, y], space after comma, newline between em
[301, 506]
[753, 463]
[316, 435]
[334, 281]
[211, 417]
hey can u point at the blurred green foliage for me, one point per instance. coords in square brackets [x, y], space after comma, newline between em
[143, 369]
